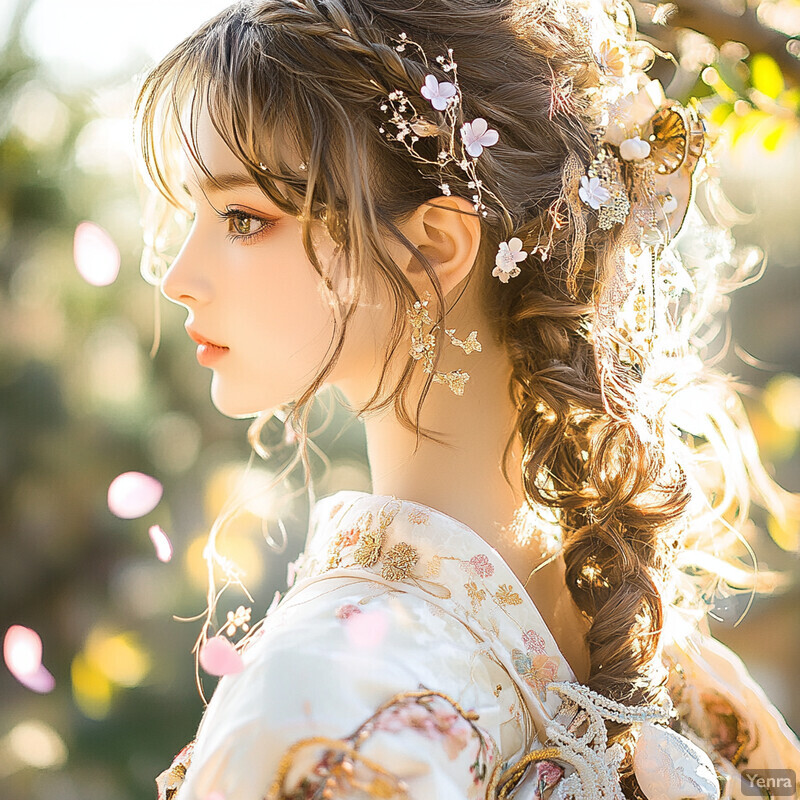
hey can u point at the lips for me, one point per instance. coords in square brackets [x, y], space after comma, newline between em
[209, 353]
[196, 337]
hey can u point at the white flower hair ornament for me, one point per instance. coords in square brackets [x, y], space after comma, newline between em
[646, 150]
[467, 142]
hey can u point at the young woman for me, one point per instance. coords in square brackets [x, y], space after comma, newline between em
[462, 214]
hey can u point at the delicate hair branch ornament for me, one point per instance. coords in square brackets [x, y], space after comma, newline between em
[423, 345]
[466, 139]
[646, 151]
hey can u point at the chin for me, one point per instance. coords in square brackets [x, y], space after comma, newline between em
[239, 407]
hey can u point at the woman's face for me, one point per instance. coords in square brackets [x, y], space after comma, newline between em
[249, 286]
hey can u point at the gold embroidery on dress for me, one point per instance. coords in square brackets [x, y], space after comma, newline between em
[506, 596]
[369, 548]
[341, 767]
[418, 517]
[434, 567]
[476, 595]
[399, 561]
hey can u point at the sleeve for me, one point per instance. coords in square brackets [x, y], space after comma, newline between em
[726, 710]
[319, 711]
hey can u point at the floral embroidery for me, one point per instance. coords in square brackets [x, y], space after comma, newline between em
[369, 548]
[533, 642]
[342, 768]
[537, 671]
[399, 561]
[506, 596]
[476, 595]
[478, 566]
[347, 610]
[418, 517]
[349, 538]
[434, 567]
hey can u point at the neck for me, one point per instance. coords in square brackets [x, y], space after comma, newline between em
[462, 478]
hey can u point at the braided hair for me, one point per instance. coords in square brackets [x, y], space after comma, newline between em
[294, 87]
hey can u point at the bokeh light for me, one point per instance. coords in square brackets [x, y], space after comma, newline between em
[161, 543]
[134, 494]
[35, 744]
[96, 254]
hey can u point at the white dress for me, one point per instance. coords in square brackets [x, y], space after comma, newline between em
[407, 660]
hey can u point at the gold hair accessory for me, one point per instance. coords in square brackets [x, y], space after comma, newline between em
[423, 345]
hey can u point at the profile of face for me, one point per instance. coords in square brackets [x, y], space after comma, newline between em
[248, 285]
[250, 288]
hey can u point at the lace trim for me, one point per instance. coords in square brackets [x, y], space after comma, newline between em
[595, 764]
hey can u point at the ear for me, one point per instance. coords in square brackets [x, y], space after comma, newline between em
[447, 231]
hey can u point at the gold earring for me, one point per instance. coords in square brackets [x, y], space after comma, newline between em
[423, 346]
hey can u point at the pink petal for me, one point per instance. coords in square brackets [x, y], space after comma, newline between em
[475, 149]
[219, 657]
[133, 494]
[215, 796]
[22, 651]
[96, 255]
[40, 681]
[368, 629]
[161, 543]
[479, 127]
[489, 138]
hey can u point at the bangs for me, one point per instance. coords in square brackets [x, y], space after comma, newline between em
[256, 106]
[248, 99]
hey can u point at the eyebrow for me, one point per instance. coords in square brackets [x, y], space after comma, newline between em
[225, 182]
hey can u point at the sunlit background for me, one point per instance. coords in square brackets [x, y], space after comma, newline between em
[113, 464]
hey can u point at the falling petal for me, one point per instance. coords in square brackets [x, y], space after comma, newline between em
[219, 657]
[161, 543]
[41, 681]
[22, 651]
[368, 629]
[96, 255]
[133, 494]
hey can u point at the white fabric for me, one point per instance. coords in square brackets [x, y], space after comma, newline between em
[346, 639]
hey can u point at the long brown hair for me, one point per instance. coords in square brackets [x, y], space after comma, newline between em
[287, 81]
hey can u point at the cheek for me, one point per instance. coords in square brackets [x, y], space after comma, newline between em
[288, 323]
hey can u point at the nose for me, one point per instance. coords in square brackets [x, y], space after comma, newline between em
[186, 282]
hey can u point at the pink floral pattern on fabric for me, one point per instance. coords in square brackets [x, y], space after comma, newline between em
[479, 566]
[347, 610]
[342, 767]
[533, 642]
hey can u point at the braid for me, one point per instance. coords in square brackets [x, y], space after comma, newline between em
[295, 86]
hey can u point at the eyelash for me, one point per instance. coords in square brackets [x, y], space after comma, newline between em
[230, 214]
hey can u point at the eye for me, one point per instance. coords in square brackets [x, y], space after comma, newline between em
[244, 226]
